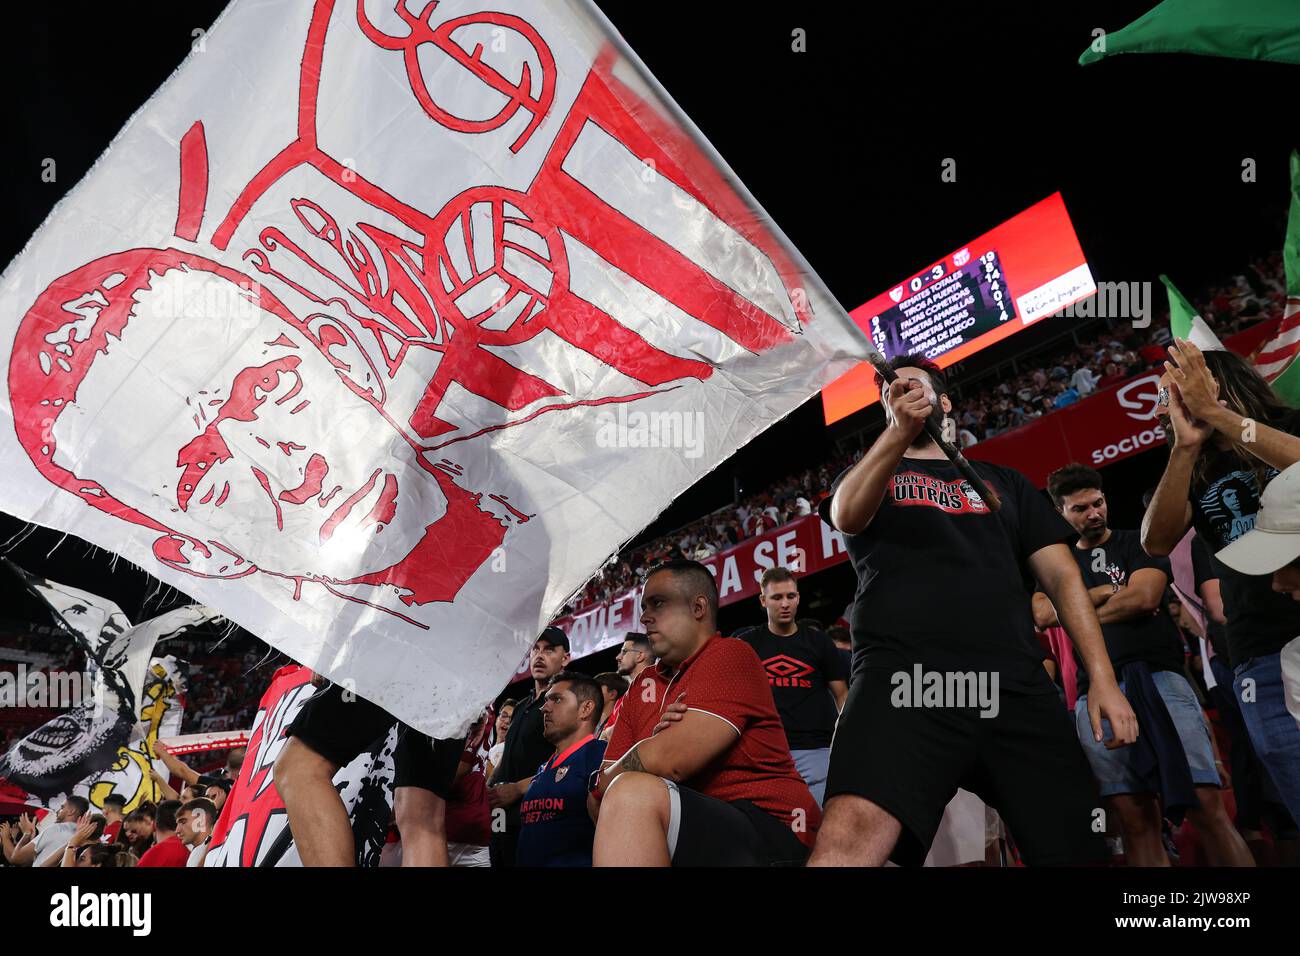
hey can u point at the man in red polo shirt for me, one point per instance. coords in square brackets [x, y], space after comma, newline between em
[718, 787]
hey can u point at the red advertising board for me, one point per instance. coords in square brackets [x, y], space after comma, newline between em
[805, 545]
[1104, 428]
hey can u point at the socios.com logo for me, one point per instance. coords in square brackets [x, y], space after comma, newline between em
[1127, 446]
[1141, 399]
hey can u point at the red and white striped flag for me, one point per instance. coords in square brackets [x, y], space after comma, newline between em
[383, 324]
[1276, 359]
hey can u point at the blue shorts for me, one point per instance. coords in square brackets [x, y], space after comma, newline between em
[812, 766]
[1113, 768]
[1273, 730]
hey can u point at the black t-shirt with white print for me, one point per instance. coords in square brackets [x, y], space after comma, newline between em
[944, 582]
[799, 668]
[1224, 505]
[1152, 638]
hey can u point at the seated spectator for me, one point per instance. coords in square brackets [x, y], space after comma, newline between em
[556, 827]
[89, 832]
[504, 713]
[718, 786]
[1065, 396]
[1084, 381]
[469, 821]
[107, 856]
[194, 823]
[114, 811]
[1153, 354]
[168, 850]
[42, 843]
[612, 687]
[1114, 375]
[138, 828]
[218, 789]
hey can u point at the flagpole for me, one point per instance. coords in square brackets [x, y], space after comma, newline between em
[867, 349]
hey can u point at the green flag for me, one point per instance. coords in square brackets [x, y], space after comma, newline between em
[1185, 323]
[1241, 29]
[1276, 359]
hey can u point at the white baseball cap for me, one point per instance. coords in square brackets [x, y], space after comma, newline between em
[1274, 542]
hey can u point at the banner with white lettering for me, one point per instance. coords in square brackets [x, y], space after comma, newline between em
[253, 829]
[806, 545]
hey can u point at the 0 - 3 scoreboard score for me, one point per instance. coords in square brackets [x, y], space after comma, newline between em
[1026, 269]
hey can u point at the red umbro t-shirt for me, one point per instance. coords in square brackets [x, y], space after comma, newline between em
[726, 679]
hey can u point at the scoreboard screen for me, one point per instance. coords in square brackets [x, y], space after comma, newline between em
[1026, 269]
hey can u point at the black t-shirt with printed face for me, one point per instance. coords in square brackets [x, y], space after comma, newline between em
[799, 668]
[1152, 638]
[1224, 504]
[1204, 570]
[945, 583]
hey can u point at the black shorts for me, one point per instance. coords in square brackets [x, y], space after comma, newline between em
[1025, 762]
[705, 831]
[340, 729]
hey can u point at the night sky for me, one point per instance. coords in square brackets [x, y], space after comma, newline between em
[843, 145]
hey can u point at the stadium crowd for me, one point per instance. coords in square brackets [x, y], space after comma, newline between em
[1042, 382]
[1135, 706]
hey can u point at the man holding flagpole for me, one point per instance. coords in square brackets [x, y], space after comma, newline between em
[943, 600]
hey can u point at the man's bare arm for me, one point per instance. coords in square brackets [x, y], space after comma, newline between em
[25, 852]
[1044, 612]
[1059, 577]
[840, 691]
[863, 487]
[1139, 598]
[166, 788]
[1169, 515]
[176, 766]
[1212, 597]
[1265, 442]
[678, 752]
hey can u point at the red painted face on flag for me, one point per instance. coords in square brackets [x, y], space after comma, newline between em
[246, 453]
[256, 418]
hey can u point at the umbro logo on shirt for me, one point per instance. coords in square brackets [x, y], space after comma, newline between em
[785, 671]
[954, 497]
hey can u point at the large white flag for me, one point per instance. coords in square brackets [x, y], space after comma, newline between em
[383, 324]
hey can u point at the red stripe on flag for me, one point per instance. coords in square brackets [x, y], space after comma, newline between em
[194, 183]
